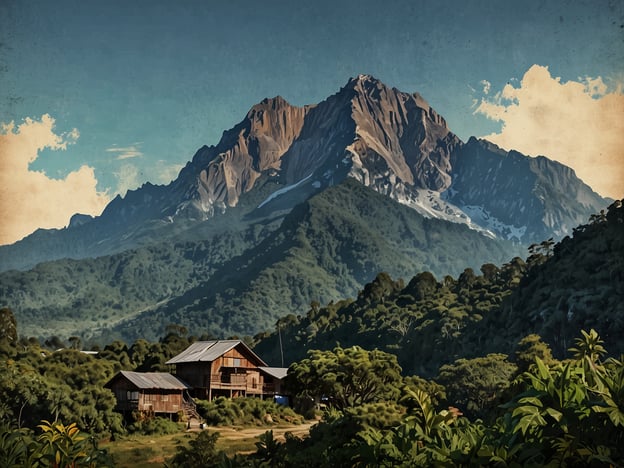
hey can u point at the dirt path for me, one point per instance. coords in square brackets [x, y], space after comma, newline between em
[241, 433]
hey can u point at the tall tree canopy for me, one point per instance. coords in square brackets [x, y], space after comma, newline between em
[8, 326]
[347, 377]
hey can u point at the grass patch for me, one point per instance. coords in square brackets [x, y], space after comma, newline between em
[138, 451]
[147, 451]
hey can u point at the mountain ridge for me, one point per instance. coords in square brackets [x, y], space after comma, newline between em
[389, 140]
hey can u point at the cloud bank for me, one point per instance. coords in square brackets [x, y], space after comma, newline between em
[578, 123]
[30, 199]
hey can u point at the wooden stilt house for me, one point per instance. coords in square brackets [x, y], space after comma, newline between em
[151, 393]
[220, 368]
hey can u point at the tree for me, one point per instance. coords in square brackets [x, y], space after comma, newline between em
[381, 288]
[530, 347]
[422, 285]
[75, 342]
[347, 377]
[8, 326]
[467, 278]
[490, 271]
[476, 385]
[200, 452]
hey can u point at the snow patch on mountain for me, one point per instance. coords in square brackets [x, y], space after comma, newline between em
[484, 219]
[282, 191]
[431, 204]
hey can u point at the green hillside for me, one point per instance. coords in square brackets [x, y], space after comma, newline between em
[81, 297]
[327, 248]
[560, 289]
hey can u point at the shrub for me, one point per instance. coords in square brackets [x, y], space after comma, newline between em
[245, 411]
[200, 452]
[154, 426]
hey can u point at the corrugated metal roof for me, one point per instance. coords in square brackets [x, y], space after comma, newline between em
[154, 380]
[208, 351]
[276, 372]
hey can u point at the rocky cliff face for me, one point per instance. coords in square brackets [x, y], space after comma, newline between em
[518, 197]
[402, 130]
[389, 140]
[218, 176]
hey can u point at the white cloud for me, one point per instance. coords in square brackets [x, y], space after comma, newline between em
[578, 123]
[30, 199]
[165, 173]
[127, 178]
[486, 86]
[127, 152]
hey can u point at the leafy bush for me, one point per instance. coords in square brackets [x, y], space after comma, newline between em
[245, 411]
[155, 426]
[57, 445]
[381, 415]
[201, 452]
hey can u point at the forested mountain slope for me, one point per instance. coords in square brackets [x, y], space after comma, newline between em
[575, 284]
[327, 248]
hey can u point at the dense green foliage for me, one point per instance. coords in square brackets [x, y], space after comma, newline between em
[57, 446]
[68, 385]
[426, 323]
[345, 377]
[87, 296]
[576, 284]
[477, 385]
[154, 426]
[245, 411]
[568, 414]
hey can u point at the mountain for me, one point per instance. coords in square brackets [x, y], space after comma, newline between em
[575, 284]
[279, 155]
[326, 248]
[293, 205]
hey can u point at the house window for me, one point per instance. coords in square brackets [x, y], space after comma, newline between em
[133, 395]
[237, 362]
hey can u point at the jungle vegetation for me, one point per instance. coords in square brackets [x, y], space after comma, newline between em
[504, 368]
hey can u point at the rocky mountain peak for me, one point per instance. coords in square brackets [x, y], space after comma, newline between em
[402, 130]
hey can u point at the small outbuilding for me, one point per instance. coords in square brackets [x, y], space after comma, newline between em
[151, 393]
[273, 379]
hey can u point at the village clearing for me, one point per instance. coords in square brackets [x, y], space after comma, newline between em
[150, 451]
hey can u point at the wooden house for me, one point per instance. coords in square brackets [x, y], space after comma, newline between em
[156, 393]
[223, 368]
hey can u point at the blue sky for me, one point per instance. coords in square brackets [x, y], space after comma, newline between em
[146, 83]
